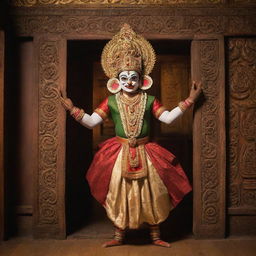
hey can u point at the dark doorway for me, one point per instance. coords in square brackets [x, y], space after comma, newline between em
[87, 88]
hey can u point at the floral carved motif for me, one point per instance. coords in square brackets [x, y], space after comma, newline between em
[48, 102]
[242, 122]
[106, 3]
[209, 144]
[27, 25]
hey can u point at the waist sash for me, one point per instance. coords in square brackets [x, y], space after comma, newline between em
[134, 162]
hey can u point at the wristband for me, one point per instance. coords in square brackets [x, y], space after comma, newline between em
[77, 113]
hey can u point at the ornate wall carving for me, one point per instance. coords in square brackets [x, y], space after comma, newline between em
[33, 3]
[48, 61]
[161, 25]
[242, 124]
[157, 23]
[210, 139]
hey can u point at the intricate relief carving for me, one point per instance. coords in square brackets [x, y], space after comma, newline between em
[242, 122]
[247, 160]
[159, 24]
[242, 24]
[234, 195]
[206, 24]
[242, 68]
[48, 102]
[249, 193]
[106, 3]
[243, 1]
[209, 165]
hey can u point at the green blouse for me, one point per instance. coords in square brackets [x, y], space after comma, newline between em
[115, 115]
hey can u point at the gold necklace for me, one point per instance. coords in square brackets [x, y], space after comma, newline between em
[132, 112]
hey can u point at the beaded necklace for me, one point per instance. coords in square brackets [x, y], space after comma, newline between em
[132, 111]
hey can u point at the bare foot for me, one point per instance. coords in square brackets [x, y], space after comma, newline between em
[112, 243]
[162, 243]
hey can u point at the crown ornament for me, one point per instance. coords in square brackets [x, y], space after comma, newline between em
[127, 51]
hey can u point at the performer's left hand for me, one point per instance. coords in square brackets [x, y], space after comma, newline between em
[195, 91]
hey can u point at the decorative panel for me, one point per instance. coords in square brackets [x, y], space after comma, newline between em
[209, 140]
[49, 199]
[110, 25]
[243, 1]
[108, 3]
[2, 195]
[242, 124]
[155, 22]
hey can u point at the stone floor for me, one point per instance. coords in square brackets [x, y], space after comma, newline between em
[245, 246]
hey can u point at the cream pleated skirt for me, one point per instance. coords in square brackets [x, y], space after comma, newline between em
[130, 203]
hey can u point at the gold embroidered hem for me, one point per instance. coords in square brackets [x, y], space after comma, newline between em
[134, 167]
[101, 113]
[131, 202]
[159, 112]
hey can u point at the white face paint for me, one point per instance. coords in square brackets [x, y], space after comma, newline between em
[129, 81]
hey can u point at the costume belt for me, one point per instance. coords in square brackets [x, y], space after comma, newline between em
[134, 163]
[133, 142]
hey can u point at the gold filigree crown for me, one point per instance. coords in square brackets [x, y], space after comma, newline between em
[127, 51]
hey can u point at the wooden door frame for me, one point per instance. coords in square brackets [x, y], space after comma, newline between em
[2, 174]
[209, 138]
[52, 27]
[209, 204]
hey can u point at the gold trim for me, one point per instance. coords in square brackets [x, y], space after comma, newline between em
[101, 113]
[159, 112]
[139, 141]
[127, 172]
[107, 3]
[182, 106]
[127, 50]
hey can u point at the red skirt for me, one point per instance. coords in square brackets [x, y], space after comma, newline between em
[168, 168]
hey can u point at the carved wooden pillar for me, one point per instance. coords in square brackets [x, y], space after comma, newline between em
[2, 201]
[209, 156]
[49, 201]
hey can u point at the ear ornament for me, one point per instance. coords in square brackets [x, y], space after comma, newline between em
[113, 85]
[147, 82]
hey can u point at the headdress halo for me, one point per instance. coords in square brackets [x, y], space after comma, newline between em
[127, 51]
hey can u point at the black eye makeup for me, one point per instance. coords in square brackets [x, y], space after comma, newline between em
[134, 78]
[123, 78]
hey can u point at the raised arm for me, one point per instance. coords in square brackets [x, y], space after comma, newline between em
[169, 116]
[79, 115]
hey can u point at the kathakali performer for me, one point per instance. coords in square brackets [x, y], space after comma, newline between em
[136, 181]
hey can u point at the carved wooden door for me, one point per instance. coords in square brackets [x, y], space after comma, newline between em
[209, 148]
[242, 134]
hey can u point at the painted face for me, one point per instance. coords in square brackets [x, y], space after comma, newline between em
[129, 81]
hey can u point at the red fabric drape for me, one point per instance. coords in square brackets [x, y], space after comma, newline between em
[99, 173]
[169, 170]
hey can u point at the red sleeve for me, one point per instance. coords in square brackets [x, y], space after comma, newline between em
[157, 108]
[103, 110]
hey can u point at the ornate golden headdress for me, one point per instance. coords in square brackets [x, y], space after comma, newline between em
[127, 51]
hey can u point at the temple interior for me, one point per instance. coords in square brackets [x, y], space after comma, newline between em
[46, 207]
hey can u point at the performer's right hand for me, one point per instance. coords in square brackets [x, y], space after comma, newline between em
[66, 102]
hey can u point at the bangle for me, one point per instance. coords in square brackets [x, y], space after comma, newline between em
[183, 107]
[188, 102]
[77, 113]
